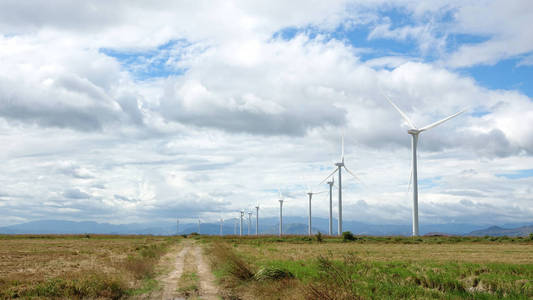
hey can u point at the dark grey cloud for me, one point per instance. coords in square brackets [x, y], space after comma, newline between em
[294, 120]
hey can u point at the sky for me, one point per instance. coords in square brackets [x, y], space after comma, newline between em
[135, 111]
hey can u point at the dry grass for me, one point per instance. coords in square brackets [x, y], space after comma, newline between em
[78, 266]
[467, 252]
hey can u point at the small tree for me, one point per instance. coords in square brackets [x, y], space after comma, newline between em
[531, 236]
[348, 236]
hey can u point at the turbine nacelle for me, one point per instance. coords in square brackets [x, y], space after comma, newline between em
[413, 131]
[340, 164]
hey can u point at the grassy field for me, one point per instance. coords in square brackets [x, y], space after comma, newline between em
[295, 267]
[79, 266]
[374, 268]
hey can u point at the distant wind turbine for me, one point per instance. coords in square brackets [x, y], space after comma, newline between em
[280, 214]
[257, 219]
[221, 225]
[339, 166]
[414, 132]
[240, 228]
[330, 183]
[249, 222]
[199, 223]
[310, 194]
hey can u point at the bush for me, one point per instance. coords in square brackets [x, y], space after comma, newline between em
[319, 237]
[272, 273]
[347, 236]
[531, 236]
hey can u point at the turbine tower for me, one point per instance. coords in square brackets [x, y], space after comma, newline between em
[177, 226]
[240, 228]
[280, 214]
[221, 224]
[199, 223]
[414, 132]
[249, 222]
[257, 219]
[330, 183]
[235, 227]
[310, 194]
[339, 166]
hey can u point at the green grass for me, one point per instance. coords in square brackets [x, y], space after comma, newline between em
[337, 269]
[406, 279]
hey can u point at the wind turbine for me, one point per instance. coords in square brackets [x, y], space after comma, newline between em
[240, 228]
[330, 183]
[257, 219]
[221, 224]
[310, 194]
[249, 222]
[414, 132]
[199, 223]
[177, 226]
[235, 227]
[339, 166]
[280, 214]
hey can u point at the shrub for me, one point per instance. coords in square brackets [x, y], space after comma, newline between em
[531, 236]
[347, 236]
[319, 237]
[272, 273]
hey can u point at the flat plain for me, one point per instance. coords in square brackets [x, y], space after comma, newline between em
[266, 267]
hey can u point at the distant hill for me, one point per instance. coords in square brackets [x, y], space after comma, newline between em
[499, 231]
[269, 225]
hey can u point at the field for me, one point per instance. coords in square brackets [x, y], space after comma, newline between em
[369, 267]
[79, 266]
[295, 267]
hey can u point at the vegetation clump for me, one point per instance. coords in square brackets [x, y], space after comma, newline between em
[347, 236]
[319, 237]
[272, 273]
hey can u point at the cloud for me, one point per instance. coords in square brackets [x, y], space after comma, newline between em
[129, 112]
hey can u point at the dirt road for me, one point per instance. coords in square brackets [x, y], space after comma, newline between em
[188, 262]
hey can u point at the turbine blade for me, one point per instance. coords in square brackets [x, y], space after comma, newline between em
[354, 176]
[404, 116]
[441, 121]
[281, 197]
[316, 193]
[321, 182]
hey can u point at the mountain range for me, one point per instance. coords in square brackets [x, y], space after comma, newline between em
[292, 225]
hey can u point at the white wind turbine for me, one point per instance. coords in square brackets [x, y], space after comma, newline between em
[257, 219]
[339, 166]
[414, 132]
[310, 194]
[331, 182]
[221, 225]
[199, 224]
[280, 214]
[249, 222]
[240, 228]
